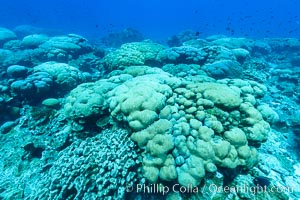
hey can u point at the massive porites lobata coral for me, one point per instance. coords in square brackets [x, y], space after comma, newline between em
[186, 129]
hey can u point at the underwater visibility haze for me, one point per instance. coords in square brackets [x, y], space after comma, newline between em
[149, 100]
[158, 19]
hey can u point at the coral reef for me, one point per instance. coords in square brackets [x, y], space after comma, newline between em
[116, 39]
[6, 35]
[82, 122]
[180, 38]
[136, 53]
[180, 124]
[92, 169]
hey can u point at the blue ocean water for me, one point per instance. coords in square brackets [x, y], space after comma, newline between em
[158, 19]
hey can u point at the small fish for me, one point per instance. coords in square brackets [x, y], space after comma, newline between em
[262, 181]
